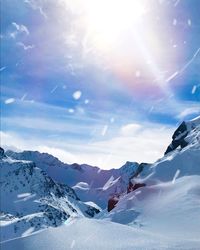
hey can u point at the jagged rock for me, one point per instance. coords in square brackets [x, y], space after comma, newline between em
[178, 138]
[99, 184]
[30, 198]
[112, 202]
[133, 186]
[2, 153]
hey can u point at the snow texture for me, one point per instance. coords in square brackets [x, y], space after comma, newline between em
[164, 214]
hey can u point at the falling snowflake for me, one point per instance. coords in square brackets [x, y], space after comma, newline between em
[104, 130]
[71, 111]
[174, 22]
[72, 244]
[54, 89]
[194, 88]
[176, 175]
[189, 22]
[86, 101]
[1, 69]
[10, 100]
[112, 119]
[23, 97]
[151, 109]
[77, 95]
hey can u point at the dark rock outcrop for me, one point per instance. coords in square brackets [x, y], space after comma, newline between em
[112, 202]
[133, 186]
[178, 138]
[2, 153]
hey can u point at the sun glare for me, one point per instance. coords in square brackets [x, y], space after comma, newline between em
[108, 19]
[120, 35]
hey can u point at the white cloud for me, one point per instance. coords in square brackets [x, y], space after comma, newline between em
[173, 107]
[14, 142]
[61, 154]
[130, 129]
[189, 111]
[48, 125]
[25, 47]
[147, 145]
[36, 5]
[21, 28]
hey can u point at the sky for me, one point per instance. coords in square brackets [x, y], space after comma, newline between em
[98, 82]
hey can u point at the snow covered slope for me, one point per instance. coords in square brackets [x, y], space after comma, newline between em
[90, 183]
[87, 234]
[30, 200]
[169, 204]
[170, 208]
[164, 214]
[181, 162]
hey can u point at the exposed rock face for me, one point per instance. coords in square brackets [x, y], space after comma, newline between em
[32, 199]
[178, 138]
[134, 186]
[2, 153]
[186, 134]
[131, 184]
[90, 183]
[112, 202]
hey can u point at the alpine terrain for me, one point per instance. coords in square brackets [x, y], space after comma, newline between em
[48, 204]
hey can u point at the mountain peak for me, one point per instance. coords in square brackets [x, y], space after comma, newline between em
[179, 138]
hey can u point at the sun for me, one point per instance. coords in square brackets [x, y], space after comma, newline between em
[106, 20]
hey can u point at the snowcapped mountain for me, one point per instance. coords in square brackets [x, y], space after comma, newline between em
[157, 205]
[169, 203]
[183, 160]
[31, 200]
[180, 138]
[90, 183]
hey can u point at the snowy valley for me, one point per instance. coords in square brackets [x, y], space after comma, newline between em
[47, 204]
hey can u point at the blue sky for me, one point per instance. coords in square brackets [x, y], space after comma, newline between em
[98, 82]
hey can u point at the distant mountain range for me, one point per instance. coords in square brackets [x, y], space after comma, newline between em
[90, 183]
[31, 200]
[39, 191]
